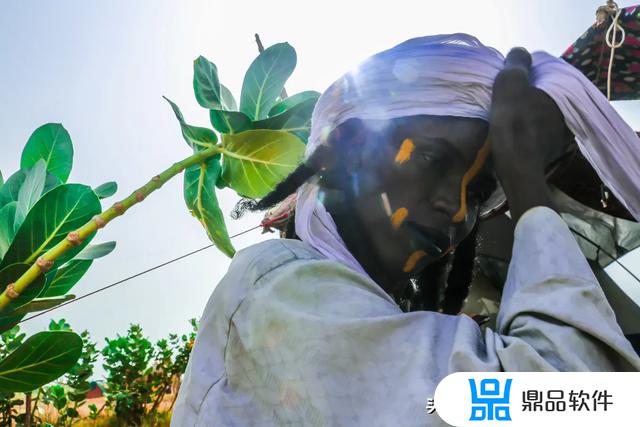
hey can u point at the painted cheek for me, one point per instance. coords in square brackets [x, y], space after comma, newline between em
[405, 151]
[479, 161]
[413, 259]
[398, 217]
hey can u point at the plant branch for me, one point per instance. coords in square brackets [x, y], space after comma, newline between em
[76, 237]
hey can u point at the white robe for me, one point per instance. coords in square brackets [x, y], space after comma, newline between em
[291, 338]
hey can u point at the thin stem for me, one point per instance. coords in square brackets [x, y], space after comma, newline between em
[118, 208]
[27, 410]
[35, 403]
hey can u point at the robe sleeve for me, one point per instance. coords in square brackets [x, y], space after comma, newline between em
[317, 343]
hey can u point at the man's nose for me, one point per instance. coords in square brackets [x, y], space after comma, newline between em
[447, 204]
[447, 198]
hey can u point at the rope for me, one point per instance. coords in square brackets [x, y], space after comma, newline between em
[612, 42]
[104, 288]
[6, 328]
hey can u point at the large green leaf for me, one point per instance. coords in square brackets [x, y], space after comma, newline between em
[196, 137]
[296, 119]
[41, 304]
[58, 212]
[293, 100]
[257, 160]
[7, 232]
[10, 191]
[229, 121]
[205, 83]
[226, 99]
[96, 251]
[10, 274]
[66, 277]
[41, 359]
[200, 197]
[265, 79]
[30, 191]
[2, 179]
[105, 190]
[52, 143]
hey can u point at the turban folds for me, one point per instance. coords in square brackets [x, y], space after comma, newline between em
[453, 75]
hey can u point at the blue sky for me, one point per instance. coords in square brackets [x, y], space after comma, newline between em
[101, 68]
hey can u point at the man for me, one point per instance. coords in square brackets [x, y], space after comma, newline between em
[401, 155]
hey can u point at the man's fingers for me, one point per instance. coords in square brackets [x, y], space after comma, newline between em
[518, 57]
[513, 80]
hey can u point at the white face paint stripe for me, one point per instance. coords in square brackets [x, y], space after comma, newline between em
[386, 204]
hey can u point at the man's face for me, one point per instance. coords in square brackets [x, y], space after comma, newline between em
[412, 187]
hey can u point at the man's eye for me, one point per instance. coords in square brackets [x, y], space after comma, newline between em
[430, 156]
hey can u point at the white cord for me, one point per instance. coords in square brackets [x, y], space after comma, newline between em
[612, 42]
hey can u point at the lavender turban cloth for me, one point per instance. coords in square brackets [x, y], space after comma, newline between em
[452, 75]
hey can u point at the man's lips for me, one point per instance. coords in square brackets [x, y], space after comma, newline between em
[434, 242]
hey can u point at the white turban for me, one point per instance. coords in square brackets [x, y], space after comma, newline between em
[452, 75]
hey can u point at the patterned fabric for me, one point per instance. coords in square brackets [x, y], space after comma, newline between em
[590, 54]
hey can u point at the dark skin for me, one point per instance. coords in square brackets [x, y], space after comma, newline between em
[401, 206]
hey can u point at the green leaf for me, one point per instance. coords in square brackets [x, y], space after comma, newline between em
[52, 143]
[229, 121]
[265, 79]
[41, 304]
[66, 277]
[200, 197]
[255, 161]
[105, 190]
[60, 325]
[7, 232]
[10, 274]
[220, 183]
[51, 182]
[60, 211]
[227, 100]
[11, 188]
[296, 120]
[30, 191]
[205, 83]
[197, 138]
[2, 179]
[96, 251]
[10, 191]
[6, 322]
[41, 359]
[293, 100]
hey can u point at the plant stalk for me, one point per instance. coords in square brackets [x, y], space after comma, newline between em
[76, 237]
[27, 410]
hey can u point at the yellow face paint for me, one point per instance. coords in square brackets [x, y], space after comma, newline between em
[398, 217]
[481, 157]
[404, 153]
[413, 260]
